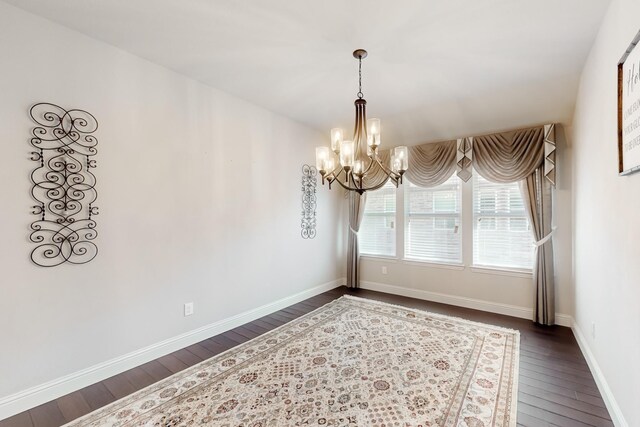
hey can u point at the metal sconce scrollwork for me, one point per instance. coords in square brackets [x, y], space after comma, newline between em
[63, 185]
[309, 183]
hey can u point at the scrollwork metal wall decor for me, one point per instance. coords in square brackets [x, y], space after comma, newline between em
[309, 183]
[63, 185]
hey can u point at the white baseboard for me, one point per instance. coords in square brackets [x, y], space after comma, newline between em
[609, 400]
[26, 399]
[476, 304]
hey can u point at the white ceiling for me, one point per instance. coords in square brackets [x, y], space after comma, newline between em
[436, 68]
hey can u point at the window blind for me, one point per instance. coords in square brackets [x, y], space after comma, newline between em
[433, 222]
[377, 235]
[501, 232]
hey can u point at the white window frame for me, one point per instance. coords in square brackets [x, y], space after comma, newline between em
[467, 240]
[435, 215]
[521, 272]
[394, 227]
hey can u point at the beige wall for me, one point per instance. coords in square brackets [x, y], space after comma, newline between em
[199, 197]
[503, 292]
[606, 206]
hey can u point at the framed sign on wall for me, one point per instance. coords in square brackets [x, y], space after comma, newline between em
[629, 109]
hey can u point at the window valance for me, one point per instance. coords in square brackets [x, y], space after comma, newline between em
[500, 157]
[432, 164]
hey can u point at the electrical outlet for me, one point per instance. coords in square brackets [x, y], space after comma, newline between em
[384, 269]
[188, 309]
[593, 330]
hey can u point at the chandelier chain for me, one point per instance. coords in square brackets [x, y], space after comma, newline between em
[360, 94]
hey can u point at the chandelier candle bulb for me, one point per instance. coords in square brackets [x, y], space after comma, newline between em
[329, 165]
[358, 168]
[395, 163]
[373, 132]
[336, 139]
[322, 157]
[402, 154]
[347, 154]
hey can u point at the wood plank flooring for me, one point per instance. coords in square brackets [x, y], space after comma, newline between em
[556, 387]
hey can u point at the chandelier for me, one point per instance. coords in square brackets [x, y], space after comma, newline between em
[358, 159]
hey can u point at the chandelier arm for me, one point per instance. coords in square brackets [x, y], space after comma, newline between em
[375, 187]
[371, 163]
[353, 186]
[386, 170]
[336, 177]
[354, 182]
[347, 186]
[330, 179]
[331, 172]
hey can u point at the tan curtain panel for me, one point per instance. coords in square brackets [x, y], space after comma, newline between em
[356, 213]
[536, 194]
[432, 164]
[509, 156]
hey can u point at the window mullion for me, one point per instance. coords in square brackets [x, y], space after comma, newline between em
[400, 220]
[467, 222]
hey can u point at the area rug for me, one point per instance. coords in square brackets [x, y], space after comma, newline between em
[352, 362]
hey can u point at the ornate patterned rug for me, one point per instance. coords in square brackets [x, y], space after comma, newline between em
[352, 362]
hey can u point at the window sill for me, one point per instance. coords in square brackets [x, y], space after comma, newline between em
[527, 274]
[416, 262]
[496, 271]
[432, 264]
[380, 258]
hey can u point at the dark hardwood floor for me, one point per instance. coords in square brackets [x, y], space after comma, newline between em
[555, 387]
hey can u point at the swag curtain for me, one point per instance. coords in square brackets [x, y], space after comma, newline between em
[431, 164]
[510, 156]
[526, 156]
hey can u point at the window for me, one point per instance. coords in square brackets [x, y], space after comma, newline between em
[377, 234]
[433, 222]
[501, 232]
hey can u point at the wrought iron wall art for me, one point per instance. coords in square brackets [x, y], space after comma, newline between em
[309, 183]
[63, 185]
